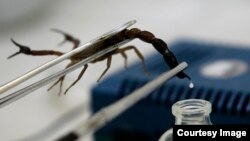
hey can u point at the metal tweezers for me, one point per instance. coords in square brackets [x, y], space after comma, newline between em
[34, 86]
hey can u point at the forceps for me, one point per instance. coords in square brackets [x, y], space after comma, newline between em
[25, 91]
[58, 130]
[110, 112]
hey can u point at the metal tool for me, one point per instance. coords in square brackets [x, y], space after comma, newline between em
[108, 113]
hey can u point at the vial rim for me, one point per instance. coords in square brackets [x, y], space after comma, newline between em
[191, 106]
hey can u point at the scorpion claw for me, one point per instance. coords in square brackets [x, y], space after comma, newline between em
[61, 32]
[61, 43]
[23, 49]
[67, 37]
[57, 30]
[14, 55]
[14, 42]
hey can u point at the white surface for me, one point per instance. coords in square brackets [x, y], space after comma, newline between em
[219, 21]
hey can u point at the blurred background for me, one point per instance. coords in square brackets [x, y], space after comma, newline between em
[29, 23]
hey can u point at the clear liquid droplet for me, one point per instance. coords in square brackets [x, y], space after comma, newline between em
[191, 85]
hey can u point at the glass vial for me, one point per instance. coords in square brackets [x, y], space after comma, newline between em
[189, 112]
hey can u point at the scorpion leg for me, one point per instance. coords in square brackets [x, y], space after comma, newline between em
[124, 55]
[26, 50]
[109, 59]
[61, 79]
[67, 37]
[78, 78]
[138, 53]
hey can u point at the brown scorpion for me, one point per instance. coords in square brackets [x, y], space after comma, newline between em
[133, 33]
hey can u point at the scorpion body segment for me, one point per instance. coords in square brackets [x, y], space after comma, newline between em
[158, 44]
[126, 34]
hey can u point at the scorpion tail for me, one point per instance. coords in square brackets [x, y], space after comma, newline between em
[168, 56]
[160, 46]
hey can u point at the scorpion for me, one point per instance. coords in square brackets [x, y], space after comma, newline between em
[133, 33]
